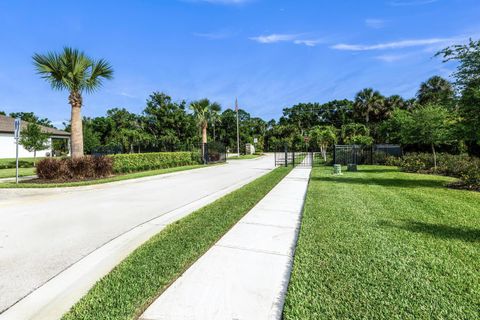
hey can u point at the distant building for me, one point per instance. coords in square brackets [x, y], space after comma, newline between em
[7, 141]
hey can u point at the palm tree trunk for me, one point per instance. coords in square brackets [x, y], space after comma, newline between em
[75, 100]
[204, 134]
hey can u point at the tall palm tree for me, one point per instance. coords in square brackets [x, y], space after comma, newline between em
[435, 90]
[202, 111]
[72, 70]
[215, 109]
[368, 102]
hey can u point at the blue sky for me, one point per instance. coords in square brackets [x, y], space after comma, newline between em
[268, 53]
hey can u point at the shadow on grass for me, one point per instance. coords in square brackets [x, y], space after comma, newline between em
[441, 231]
[378, 170]
[386, 182]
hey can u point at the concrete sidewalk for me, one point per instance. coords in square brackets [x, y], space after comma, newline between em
[246, 274]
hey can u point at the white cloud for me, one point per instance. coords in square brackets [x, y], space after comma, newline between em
[127, 95]
[309, 43]
[391, 45]
[392, 57]
[294, 38]
[273, 38]
[402, 3]
[375, 23]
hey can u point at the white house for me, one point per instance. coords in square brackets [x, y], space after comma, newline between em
[7, 141]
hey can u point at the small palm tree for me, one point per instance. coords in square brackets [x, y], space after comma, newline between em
[368, 102]
[72, 70]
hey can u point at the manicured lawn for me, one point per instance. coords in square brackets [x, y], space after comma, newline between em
[381, 244]
[244, 157]
[128, 176]
[22, 172]
[149, 270]
[22, 162]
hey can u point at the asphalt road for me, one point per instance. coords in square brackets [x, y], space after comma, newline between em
[42, 232]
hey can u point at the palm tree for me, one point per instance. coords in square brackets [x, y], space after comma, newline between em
[72, 70]
[215, 109]
[202, 111]
[435, 90]
[368, 102]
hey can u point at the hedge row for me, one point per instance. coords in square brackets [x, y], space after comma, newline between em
[124, 163]
[460, 166]
[67, 169]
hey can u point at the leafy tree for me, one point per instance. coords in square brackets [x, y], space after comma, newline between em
[395, 102]
[436, 90]
[215, 117]
[30, 117]
[323, 137]
[397, 128]
[3, 113]
[368, 104]
[431, 125]
[72, 70]
[467, 81]
[168, 123]
[33, 139]
[352, 132]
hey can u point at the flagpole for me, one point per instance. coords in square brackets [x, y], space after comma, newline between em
[238, 133]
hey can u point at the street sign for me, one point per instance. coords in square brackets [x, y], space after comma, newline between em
[17, 128]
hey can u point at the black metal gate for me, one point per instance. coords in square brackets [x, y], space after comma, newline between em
[360, 154]
[305, 159]
[213, 152]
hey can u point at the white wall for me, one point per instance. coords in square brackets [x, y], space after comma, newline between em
[7, 148]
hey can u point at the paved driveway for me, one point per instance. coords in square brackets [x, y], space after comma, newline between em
[42, 232]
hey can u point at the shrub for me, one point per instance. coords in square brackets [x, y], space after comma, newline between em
[392, 161]
[460, 166]
[123, 163]
[50, 168]
[65, 169]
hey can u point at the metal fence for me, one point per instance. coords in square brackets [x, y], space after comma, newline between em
[358, 154]
[213, 152]
[300, 159]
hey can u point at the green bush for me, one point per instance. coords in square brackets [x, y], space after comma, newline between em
[460, 166]
[124, 163]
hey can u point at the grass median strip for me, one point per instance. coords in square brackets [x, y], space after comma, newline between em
[126, 291]
[22, 172]
[121, 177]
[382, 244]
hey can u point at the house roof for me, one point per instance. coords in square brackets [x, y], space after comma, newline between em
[7, 126]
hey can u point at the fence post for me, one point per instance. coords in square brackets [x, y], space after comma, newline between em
[371, 154]
[334, 154]
[205, 153]
[286, 156]
[293, 158]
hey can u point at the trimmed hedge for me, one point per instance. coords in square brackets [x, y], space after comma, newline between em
[124, 163]
[460, 166]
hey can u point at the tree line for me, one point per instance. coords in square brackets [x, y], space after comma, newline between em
[442, 115]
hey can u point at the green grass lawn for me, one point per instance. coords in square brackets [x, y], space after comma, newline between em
[126, 291]
[22, 162]
[244, 157]
[22, 172]
[381, 244]
[121, 177]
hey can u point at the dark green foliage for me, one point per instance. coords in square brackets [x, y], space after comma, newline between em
[80, 168]
[383, 244]
[155, 160]
[460, 166]
[126, 291]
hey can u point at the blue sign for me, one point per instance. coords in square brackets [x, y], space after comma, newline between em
[17, 128]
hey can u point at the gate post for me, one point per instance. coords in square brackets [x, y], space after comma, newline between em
[205, 153]
[286, 156]
[293, 158]
[334, 154]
